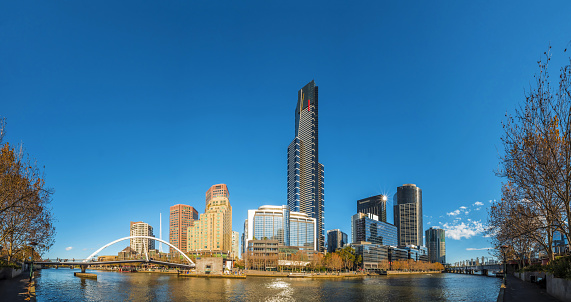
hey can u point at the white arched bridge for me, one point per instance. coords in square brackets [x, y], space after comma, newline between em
[86, 262]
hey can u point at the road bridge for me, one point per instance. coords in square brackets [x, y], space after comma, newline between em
[474, 266]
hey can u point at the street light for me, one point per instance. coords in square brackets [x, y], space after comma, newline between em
[504, 250]
[32, 243]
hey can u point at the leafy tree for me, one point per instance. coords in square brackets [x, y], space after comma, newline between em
[25, 213]
[347, 254]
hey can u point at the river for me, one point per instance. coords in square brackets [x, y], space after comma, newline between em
[61, 285]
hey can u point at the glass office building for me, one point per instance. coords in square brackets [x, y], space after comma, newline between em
[279, 223]
[367, 227]
[371, 254]
[436, 244]
[305, 175]
[376, 205]
[335, 240]
[408, 215]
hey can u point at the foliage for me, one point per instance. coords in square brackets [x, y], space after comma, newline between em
[561, 267]
[4, 263]
[347, 255]
[25, 213]
[536, 165]
[535, 268]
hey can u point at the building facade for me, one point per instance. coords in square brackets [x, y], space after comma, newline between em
[376, 205]
[305, 175]
[141, 245]
[213, 230]
[408, 215]
[367, 228]
[335, 240]
[436, 244]
[279, 223]
[180, 218]
[235, 245]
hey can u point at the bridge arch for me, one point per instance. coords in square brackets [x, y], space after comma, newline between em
[138, 236]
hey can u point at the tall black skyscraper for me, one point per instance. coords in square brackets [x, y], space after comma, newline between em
[305, 191]
[376, 205]
[408, 214]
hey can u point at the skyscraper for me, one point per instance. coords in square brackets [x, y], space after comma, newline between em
[305, 175]
[368, 228]
[435, 241]
[408, 214]
[335, 240]
[376, 205]
[141, 245]
[181, 217]
[213, 231]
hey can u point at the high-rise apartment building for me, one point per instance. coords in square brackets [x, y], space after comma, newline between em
[335, 240]
[213, 231]
[141, 245]
[436, 244]
[305, 175]
[235, 245]
[368, 228]
[376, 205]
[279, 223]
[181, 217]
[408, 215]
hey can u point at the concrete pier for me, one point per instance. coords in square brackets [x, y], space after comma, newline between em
[85, 275]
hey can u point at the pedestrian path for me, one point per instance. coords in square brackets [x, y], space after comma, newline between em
[517, 290]
[15, 289]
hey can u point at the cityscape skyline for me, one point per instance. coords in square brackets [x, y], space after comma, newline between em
[133, 112]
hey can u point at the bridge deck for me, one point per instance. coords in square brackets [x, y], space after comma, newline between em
[89, 263]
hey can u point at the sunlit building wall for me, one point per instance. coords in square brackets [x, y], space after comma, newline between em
[141, 245]
[180, 218]
[213, 230]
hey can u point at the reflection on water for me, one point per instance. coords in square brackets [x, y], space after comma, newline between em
[61, 285]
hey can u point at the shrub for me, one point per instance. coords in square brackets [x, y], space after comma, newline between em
[535, 268]
[561, 267]
[4, 263]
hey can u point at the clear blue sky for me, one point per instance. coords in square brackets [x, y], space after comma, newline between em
[134, 106]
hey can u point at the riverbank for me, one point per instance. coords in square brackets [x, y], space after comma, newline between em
[411, 273]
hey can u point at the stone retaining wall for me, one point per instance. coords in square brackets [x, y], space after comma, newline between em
[559, 288]
[9, 273]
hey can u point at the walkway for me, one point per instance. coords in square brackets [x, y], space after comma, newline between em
[15, 289]
[517, 290]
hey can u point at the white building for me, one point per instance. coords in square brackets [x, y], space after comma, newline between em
[235, 244]
[142, 245]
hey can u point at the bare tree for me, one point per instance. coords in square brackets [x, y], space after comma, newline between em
[537, 165]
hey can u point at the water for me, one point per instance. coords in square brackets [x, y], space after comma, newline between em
[61, 285]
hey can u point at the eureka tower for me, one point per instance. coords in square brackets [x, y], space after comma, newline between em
[305, 191]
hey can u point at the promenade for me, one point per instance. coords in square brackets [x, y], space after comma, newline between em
[15, 289]
[517, 291]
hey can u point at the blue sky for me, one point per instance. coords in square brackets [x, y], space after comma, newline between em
[136, 106]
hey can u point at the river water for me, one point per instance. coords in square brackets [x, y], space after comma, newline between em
[61, 285]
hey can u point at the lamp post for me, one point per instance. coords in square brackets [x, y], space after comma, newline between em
[504, 250]
[33, 244]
